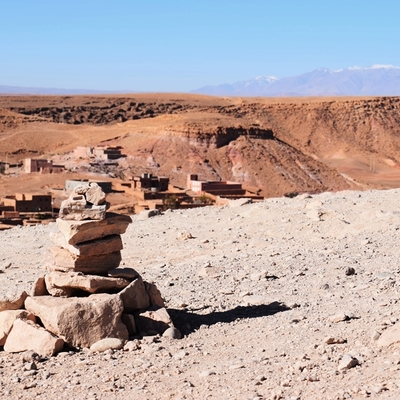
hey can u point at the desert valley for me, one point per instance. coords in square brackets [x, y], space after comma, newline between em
[287, 292]
[271, 145]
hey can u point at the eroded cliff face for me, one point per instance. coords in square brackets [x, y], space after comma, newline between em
[277, 145]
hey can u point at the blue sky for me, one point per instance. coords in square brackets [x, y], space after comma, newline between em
[179, 45]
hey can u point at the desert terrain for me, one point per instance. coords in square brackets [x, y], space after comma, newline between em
[288, 298]
[282, 299]
[276, 146]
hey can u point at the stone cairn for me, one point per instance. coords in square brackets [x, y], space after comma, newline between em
[85, 300]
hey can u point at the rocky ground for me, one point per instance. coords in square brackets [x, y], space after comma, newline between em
[283, 299]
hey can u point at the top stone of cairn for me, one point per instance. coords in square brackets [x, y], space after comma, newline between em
[85, 202]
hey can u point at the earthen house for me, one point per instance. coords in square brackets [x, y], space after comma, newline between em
[43, 166]
[99, 152]
[28, 203]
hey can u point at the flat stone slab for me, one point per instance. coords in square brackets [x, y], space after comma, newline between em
[105, 245]
[80, 321]
[63, 260]
[65, 284]
[83, 231]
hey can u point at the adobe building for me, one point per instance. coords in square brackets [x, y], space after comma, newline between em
[99, 152]
[150, 182]
[217, 188]
[28, 202]
[145, 187]
[219, 191]
[108, 153]
[42, 166]
[83, 152]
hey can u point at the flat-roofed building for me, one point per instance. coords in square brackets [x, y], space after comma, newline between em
[28, 202]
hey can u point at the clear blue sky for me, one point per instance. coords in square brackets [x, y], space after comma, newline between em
[179, 45]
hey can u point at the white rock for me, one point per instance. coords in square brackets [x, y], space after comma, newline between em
[106, 344]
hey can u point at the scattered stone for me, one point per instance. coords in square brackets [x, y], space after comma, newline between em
[349, 271]
[26, 335]
[30, 366]
[239, 202]
[325, 286]
[106, 344]
[347, 362]
[29, 356]
[132, 345]
[184, 235]
[172, 333]
[334, 340]
[375, 335]
[339, 318]
[390, 336]
[148, 214]
[206, 373]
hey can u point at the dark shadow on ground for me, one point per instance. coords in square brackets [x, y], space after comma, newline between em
[188, 322]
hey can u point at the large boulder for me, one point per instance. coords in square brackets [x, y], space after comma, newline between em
[83, 231]
[65, 284]
[7, 319]
[80, 321]
[26, 335]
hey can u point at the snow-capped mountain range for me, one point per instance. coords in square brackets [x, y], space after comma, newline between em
[377, 80]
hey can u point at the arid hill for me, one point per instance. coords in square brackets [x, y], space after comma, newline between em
[277, 145]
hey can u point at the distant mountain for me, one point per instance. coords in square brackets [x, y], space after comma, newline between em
[378, 80]
[54, 91]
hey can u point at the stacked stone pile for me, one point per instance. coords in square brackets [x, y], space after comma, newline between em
[85, 297]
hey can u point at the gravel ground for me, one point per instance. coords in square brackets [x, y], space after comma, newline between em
[270, 298]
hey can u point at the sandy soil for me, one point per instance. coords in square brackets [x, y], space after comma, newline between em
[257, 293]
